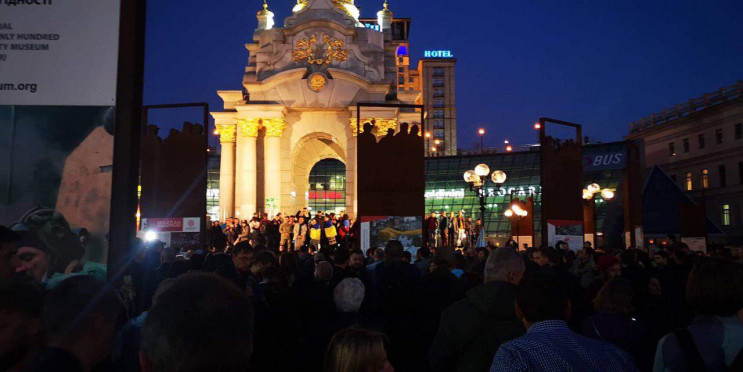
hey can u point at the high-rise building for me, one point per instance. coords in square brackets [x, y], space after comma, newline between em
[436, 76]
[431, 84]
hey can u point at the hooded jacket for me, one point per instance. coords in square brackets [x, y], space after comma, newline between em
[472, 329]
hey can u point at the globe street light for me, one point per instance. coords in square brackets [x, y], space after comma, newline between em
[589, 195]
[477, 178]
[516, 212]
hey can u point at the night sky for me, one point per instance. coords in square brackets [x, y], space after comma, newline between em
[599, 63]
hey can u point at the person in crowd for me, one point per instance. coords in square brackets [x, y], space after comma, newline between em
[583, 267]
[300, 233]
[432, 226]
[315, 232]
[235, 267]
[286, 229]
[273, 236]
[473, 328]
[423, 260]
[540, 257]
[542, 305]
[8, 253]
[79, 316]
[348, 296]
[443, 230]
[714, 339]
[200, 322]
[357, 350]
[614, 322]
[407, 257]
[356, 263]
[393, 287]
[278, 328]
[329, 232]
[341, 260]
[21, 328]
[33, 255]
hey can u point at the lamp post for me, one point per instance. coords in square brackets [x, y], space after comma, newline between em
[515, 211]
[589, 195]
[477, 178]
[481, 133]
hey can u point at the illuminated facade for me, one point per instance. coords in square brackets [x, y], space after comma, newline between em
[297, 107]
[699, 144]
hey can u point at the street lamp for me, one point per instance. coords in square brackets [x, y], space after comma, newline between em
[477, 178]
[481, 133]
[516, 212]
[589, 195]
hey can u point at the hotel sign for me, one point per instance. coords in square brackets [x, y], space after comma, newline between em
[373, 26]
[438, 54]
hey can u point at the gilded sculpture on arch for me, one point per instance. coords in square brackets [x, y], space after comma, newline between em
[319, 49]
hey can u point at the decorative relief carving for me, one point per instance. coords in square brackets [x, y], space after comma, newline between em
[274, 126]
[317, 82]
[226, 133]
[249, 127]
[320, 49]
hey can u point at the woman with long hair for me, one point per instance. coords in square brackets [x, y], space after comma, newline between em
[357, 350]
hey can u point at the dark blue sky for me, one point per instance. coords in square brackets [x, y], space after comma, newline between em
[599, 63]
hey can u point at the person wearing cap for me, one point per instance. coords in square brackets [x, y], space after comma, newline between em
[34, 257]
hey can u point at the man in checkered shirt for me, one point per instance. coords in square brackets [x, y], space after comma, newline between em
[549, 345]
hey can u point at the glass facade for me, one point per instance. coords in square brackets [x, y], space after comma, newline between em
[446, 190]
[212, 185]
[327, 191]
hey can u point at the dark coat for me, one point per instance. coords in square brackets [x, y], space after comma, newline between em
[472, 329]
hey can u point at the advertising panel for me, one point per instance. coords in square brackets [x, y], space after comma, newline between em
[58, 70]
[570, 232]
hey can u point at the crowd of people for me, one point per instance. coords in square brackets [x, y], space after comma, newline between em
[271, 295]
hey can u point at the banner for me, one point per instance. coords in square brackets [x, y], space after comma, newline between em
[58, 67]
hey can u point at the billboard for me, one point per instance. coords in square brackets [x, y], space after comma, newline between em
[58, 74]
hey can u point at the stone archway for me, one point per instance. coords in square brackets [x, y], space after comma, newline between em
[309, 150]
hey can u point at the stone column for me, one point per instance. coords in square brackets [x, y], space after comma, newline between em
[246, 168]
[272, 158]
[227, 170]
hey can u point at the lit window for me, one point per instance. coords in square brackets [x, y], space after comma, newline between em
[689, 182]
[705, 178]
[726, 215]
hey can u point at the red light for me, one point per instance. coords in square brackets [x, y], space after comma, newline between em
[437, 141]
[428, 134]
[481, 131]
[537, 126]
[509, 148]
[433, 149]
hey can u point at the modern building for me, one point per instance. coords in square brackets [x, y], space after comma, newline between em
[699, 144]
[431, 83]
[446, 191]
[293, 122]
